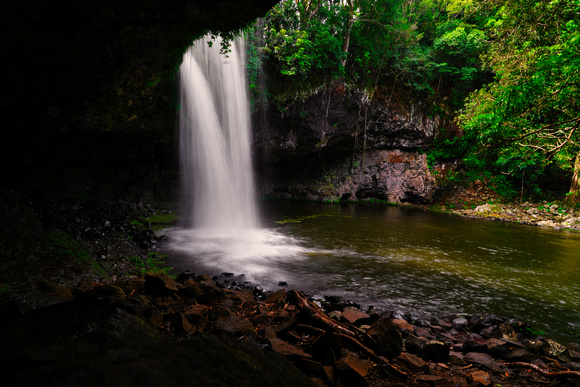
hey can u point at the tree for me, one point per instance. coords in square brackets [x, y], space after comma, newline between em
[527, 120]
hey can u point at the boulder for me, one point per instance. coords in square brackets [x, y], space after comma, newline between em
[556, 350]
[436, 351]
[387, 337]
[160, 285]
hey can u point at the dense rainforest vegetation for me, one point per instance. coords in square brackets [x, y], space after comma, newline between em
[502, 75]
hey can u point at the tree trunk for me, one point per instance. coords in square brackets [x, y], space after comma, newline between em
[346, 43]
[573, 197]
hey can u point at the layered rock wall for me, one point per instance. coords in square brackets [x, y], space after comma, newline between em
[339, 144]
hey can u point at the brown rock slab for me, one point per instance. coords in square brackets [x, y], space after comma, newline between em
[287, 349]
[422, 332]
[413, 362]
[403, 325]
[241, 296]
[276, 296]
[456, 358]
[518, 355]
[352, 315]
[269, 332]
[482, 359]
[360, 366]
[155, 317]
[480, 378]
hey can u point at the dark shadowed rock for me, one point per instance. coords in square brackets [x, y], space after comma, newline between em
[436, 381]
[327, 348]
[201, 361]
[496, 348]
[415, 345]
[310, 367]
[179, 324]
[436, 351]
[71, 329]
[219, 312]
[234, 326]
[518, 355]
[160, 285]
[388, 339]
[210, 293]
[475, 345]
[352, 371]
[287, 349]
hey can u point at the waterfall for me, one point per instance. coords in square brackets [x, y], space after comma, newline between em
[217, 177]
[220, 229]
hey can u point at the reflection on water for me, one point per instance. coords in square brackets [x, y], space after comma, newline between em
[402, 259]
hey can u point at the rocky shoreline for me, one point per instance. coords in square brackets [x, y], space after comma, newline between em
[192, 330]
[545, 214]
[478, 201]
[111, 327]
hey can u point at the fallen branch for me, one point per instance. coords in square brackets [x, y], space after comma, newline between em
[556, 374]
[369, 352]
[317, 314]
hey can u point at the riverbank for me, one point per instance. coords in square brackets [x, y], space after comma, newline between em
[154, 328]
[68, 318]
[480, 202]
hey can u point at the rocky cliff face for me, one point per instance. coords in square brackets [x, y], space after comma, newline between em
[339, 144]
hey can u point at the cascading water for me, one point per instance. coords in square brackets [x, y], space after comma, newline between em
[220, 228]
[217, 179]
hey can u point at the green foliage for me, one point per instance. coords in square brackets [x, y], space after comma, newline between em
[526, 121]
[305, 46]
[444, 149]
[155, 221]
[154, 263]
[64, 245]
